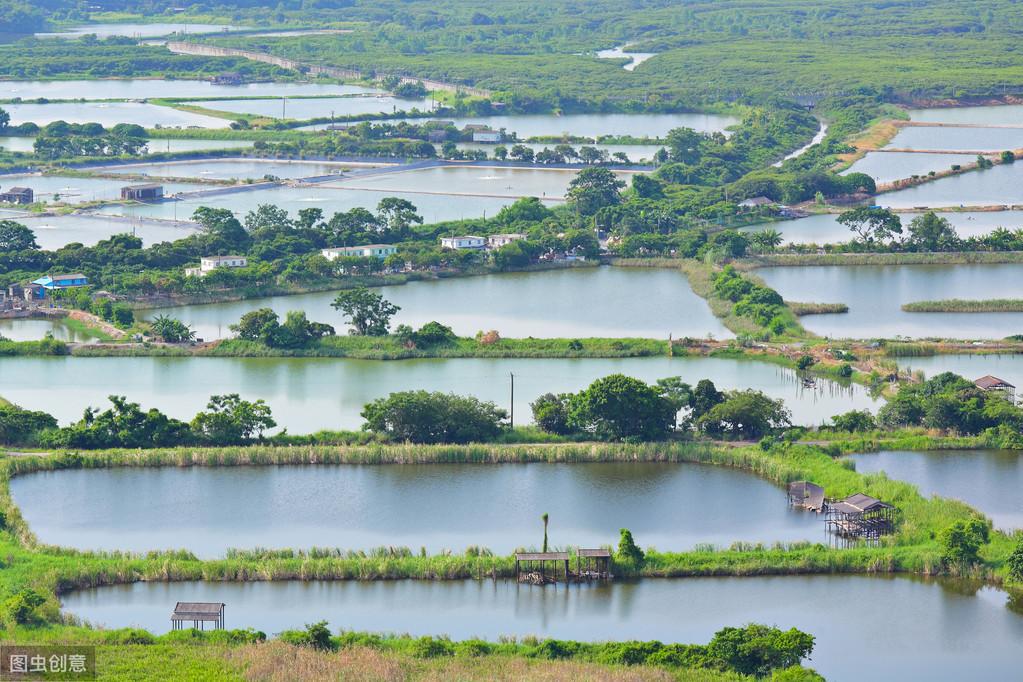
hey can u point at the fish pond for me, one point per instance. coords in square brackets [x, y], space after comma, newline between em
[311, 394]
[437, 506]
[563, 303]
[875, 294]
[996, 186]
[110, 114]
[55, 231]
[889, 166]
[76, 190]
[230, 169]
[30, 329]
[938, 630]
[957, 139]
[988, 480]
[302, 108]
[824, 228]
[150, 88]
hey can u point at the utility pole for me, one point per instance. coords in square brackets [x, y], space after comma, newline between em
[512, 375]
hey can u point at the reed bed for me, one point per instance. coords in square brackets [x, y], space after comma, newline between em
[959, 305]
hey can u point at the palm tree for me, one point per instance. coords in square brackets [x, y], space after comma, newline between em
[545, 518]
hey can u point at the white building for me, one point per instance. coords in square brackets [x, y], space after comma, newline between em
[496, 241]
[465, 242]
[366, 251]
[487, 136]
[208, 264]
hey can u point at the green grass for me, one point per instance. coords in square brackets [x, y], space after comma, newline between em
[800, 309]
[958, 305]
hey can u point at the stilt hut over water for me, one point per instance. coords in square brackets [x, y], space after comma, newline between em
[593, 564]
[806, 495]
[200, 613]
[540, 568]
[860, 516]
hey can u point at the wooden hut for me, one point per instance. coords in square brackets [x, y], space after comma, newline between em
[200, 613]
[593, 564]
[806, 495]
[860, 517]
[540, 567]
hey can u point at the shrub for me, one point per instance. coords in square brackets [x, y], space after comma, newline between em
[1015, 561]
[432, 647]
[628, 550]
[961, 542]
[23, 607]
[556, 649]
[805, 362]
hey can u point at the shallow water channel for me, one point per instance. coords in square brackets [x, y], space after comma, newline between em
[877, 627]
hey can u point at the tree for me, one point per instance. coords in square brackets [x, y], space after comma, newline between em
[684, 145]
[854, 420]
[758, 649]
[5, 120]
[524, 210]
[550, 413]
[268, 221]
[745, 414]
[617, 407]
[647, 187]
[593, 189]
[368, 312]
[766, 240]
[521, 152]
[23, 607]
[433, 334]
[229, 420]
[257, 325]
[961, 542]
[628, 550]
[705, 396]
[16, 237]
[676, 392]
[124, 425]
[872, 224]
[424, 417]
[221, 223]
[929, 232]
[170, 329]
[398, 215]
[19, 426]
[1015, 561]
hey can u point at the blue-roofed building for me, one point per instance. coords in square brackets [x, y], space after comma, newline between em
[50, 282]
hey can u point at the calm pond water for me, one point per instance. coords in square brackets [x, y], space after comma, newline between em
[55, 231]
[889, 166]
[825, 228]
[310, 394]
[875, 294]
[1011, 114]
[620, 52]
[301, 109]
[958, 139]
[971, 366]
[432, 207]
[988, 480]
[109, 114]
[992, 186]
[231, 169]
[208, 511]
[74, 190]
[26, 144]
[551, 303]
[594, 125]
[137, 30]
[33, 330]
[146, 88]
[918, 630]
[486, 180]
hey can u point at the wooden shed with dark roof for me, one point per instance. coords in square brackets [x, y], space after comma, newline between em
[806, 495]
[199, 612]
[993, 383]
[860, 516]
[540, 567]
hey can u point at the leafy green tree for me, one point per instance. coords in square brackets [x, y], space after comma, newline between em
[550, 413]
[434, 334]
[854, 420]
[593, 189]
[929, 232]
[961, 542]
[628, 550]
[705, 396]
[221, 223]
[524, 210]
[297, 331]
[398, 215]
[124, 425]
[268, 221]
[748, 415]
[368, 313]
[23, 607]
[229, 420]
[19, 426]
[511, 255]
[757, 650]
[617, 407]
[257, 325]
[545, 517]
[5, 120]
[647, 187]
[16, 237]
[171, 329]
[1015, 561]
[424, 417]
[872, 224]
[684, 145]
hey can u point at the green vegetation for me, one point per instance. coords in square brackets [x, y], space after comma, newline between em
[958, 305]
[424, 417]
[801, 309]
